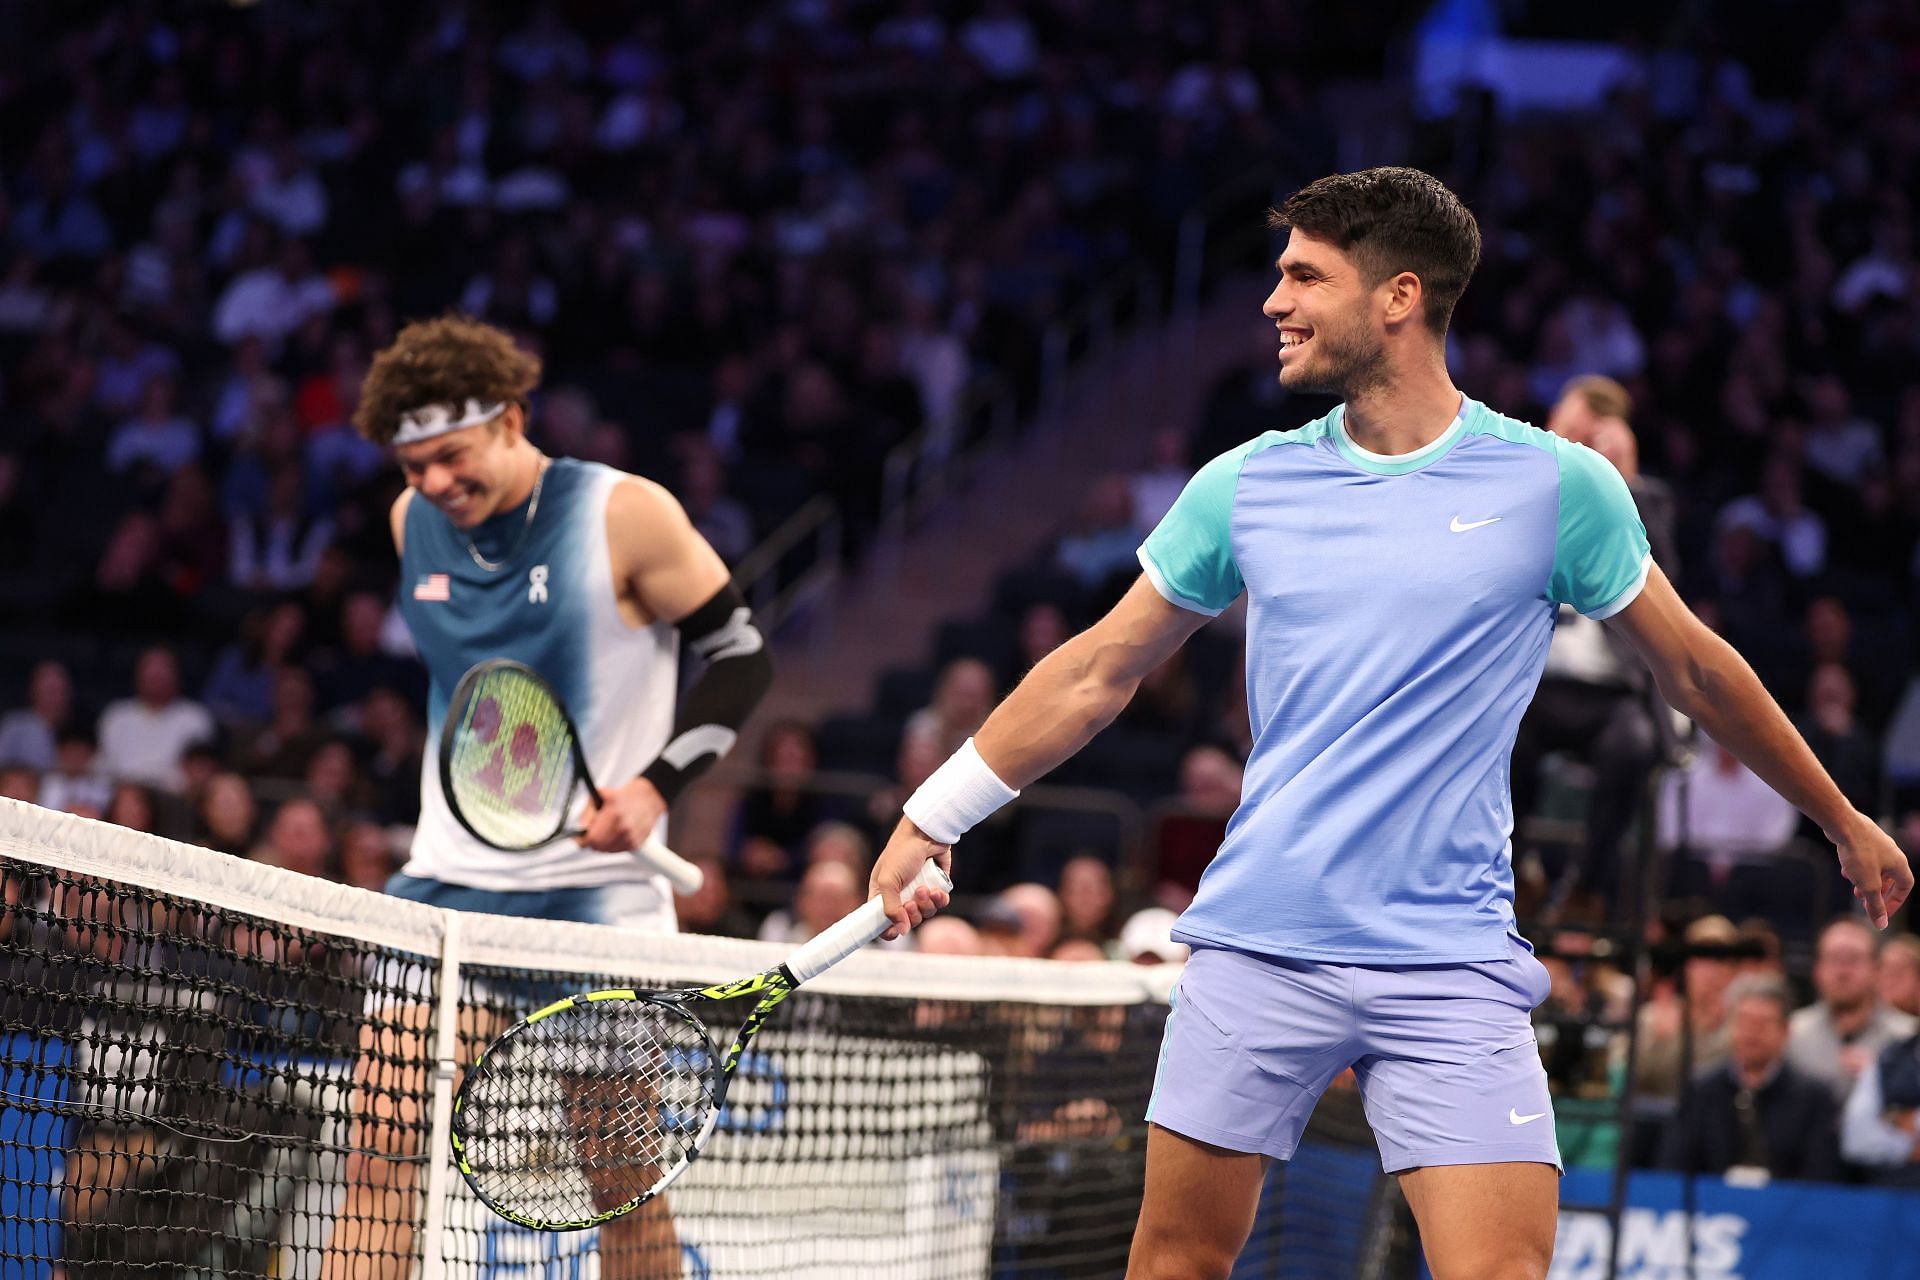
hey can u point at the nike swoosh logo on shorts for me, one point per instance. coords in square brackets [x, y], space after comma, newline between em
[1457, 527]
[1514, 1116]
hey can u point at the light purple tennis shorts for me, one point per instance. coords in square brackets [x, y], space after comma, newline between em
[1444, 1054]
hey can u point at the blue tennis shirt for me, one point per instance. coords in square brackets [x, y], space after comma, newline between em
[1398, 615]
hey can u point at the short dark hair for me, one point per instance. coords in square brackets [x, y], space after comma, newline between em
[1392, 219]
[442, 361]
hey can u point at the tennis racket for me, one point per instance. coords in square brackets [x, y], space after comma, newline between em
[587, 1109]
[510, 762]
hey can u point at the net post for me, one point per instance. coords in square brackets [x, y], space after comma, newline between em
[446, 1031]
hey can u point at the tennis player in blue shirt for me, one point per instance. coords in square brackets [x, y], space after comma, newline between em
[1402, 559]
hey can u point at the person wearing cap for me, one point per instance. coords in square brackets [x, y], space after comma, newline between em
[1147, 938]
[597, 580]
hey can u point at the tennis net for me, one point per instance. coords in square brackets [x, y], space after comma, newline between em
[202, 1054]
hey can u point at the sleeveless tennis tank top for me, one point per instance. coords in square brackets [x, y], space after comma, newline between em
[549, 603]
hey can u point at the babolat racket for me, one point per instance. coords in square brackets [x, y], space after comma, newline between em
[594, 1105]
[510, 761]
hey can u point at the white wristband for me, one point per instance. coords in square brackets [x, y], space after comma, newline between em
[957, 796]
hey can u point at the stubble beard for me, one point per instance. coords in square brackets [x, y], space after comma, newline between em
[1344, 371]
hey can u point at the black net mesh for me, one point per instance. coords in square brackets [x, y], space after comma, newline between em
[177, 1080]
[199, 1092]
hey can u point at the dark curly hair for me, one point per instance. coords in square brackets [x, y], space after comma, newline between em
[442, 361]
[1392, 219]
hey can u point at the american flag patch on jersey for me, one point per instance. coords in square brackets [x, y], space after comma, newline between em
[434, 586]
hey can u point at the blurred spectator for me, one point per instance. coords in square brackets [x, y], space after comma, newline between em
[131, 807]
[332, 777]
[127, 366]
[1778, 515]
[946, 935]
[1584, 403]
[710, 909]
[156, 441]
[1077, 951]
[239, 691]
[17, 782]
[393, 740]
[30, 735]
[1718, 808]
[141, 737]
[1087, 900]
[279, 549]
[1147, 938]
[1186, 836]
[840, 842]
[229, 819]
[1699, 1005]
[1154, 489]
[962, 698]
[199, 764]
[1900, 974]
[1166, 701]
[1840, 446]
[281, 747]
[1840, 744]
[1761, 941]
[1593, 700]
[367, 858]
[1832, 1040]
[347, 671]
[1880, 1124]
[1043, 628]
[1039, 914]
[298, 839]
[720, 519]
[775, 816]
[1104, 536]
[75, 783]
[827, 891]
[1755, 1111]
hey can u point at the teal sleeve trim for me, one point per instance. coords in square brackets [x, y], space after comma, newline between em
[1601, 559]
[1189, 555]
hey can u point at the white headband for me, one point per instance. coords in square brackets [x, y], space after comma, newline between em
[431, 420]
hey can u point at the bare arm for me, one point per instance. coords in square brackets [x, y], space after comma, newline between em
[666, 571]
[397, 517]
[1068, 697]
[1077, 690]
[659, 556]
[1704, 678]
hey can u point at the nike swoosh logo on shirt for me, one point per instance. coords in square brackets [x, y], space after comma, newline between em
[1457, 527]
[1514, 1116]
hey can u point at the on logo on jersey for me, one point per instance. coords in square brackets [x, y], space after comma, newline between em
[537, 584]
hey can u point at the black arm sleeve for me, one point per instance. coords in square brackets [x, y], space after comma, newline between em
[735, 678]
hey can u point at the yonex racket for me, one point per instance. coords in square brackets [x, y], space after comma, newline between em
[510, 760]
[594, 1105]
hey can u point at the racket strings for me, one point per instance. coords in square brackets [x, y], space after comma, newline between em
[587, 1109]
[511, 766]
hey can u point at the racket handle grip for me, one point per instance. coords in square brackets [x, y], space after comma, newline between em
[685, 877]
[841, 939]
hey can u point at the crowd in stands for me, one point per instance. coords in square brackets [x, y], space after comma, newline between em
[758, 245]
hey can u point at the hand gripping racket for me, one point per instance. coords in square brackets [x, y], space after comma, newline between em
[510, 760]
[594, 1105]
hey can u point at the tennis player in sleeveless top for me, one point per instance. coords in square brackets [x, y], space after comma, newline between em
[597, 580]
[1403, 559]
[592, 577]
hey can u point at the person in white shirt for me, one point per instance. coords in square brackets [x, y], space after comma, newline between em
[1721, 809]
[29, 735]
[1835, 1038]
[143, 737]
